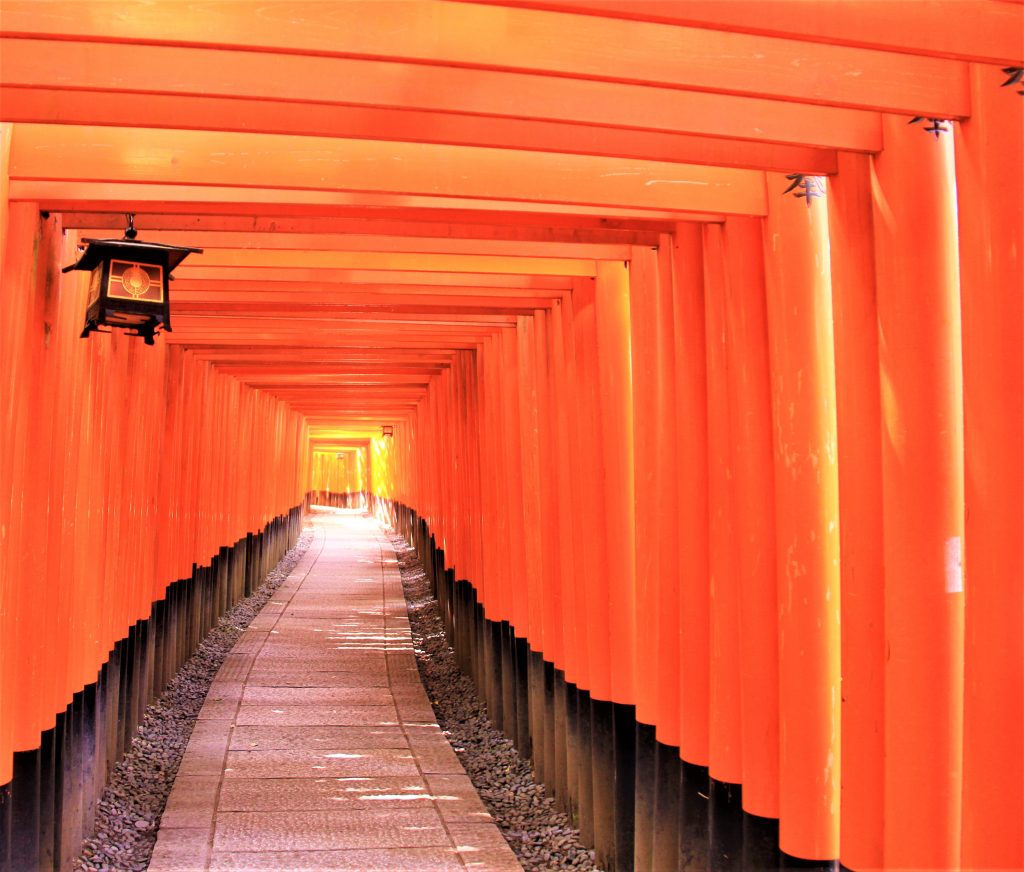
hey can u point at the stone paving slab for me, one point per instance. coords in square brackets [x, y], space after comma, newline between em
[326, 830]
[351, 793]
[250, 738]
[278, 695]
[296, 715]
[293, 677]
[317, 748]
[311, 764]
[380, 860]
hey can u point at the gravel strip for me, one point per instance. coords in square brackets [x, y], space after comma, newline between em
[129, 811]
[540, 835]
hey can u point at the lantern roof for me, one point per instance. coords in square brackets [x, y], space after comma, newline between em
[99, 249]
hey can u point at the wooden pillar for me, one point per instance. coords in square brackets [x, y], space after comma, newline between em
[531, 501]
[560, 399]
[922, 491]
[6, 132]
[807, 520]
[616, 421]
[858, 412]
[22, 486]
[657, 602]
[18, 722]
[753, 503]
[550, 517]
[494, 517]
[724, 745]
[647, 467]
[574, 582]
[510, 378]
[669, 498]
[990, 180]
[692, 488]
[591, 567]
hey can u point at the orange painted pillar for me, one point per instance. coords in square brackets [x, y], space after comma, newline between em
[692, 488]
[517, 589]
[6, 132]
[989, 146]
[19, 633]
[64, 457]
[489, 501]
[502, 479]
[576, 627]
[616, 422]
[550, 519]
[531, 503]
[562, 445]
[724, 744]
[648, 421]
[654, 465]
[452, 468]
[471, 471]
[591, 567]
[45, 436]
[807, 520]
[916, 266]
[667, 593]
[753, 502]
[862, 569]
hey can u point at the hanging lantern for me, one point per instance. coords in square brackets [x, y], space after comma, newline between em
[128, 287]
[387, 430]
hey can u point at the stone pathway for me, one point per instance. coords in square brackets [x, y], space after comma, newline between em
[317, 747]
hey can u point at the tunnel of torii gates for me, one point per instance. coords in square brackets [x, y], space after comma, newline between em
[698, 330]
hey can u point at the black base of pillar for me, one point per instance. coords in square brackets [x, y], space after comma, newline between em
[47, 798]
[645, 797]
[25, 810]
[625, 784]
[694, 817]
[535, 714]
[508, 679]
[725, 826]
[495, 701]
[560, 741]
[5, 827]
[665, 847]
[602, 756]
[760, 842]
[585, 766]
[523, 739]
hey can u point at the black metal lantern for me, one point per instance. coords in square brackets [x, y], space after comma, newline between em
[129, 284]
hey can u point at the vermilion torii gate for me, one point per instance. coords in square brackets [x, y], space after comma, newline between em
[699, 327]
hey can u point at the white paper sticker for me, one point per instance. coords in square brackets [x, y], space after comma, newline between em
[954, 566]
